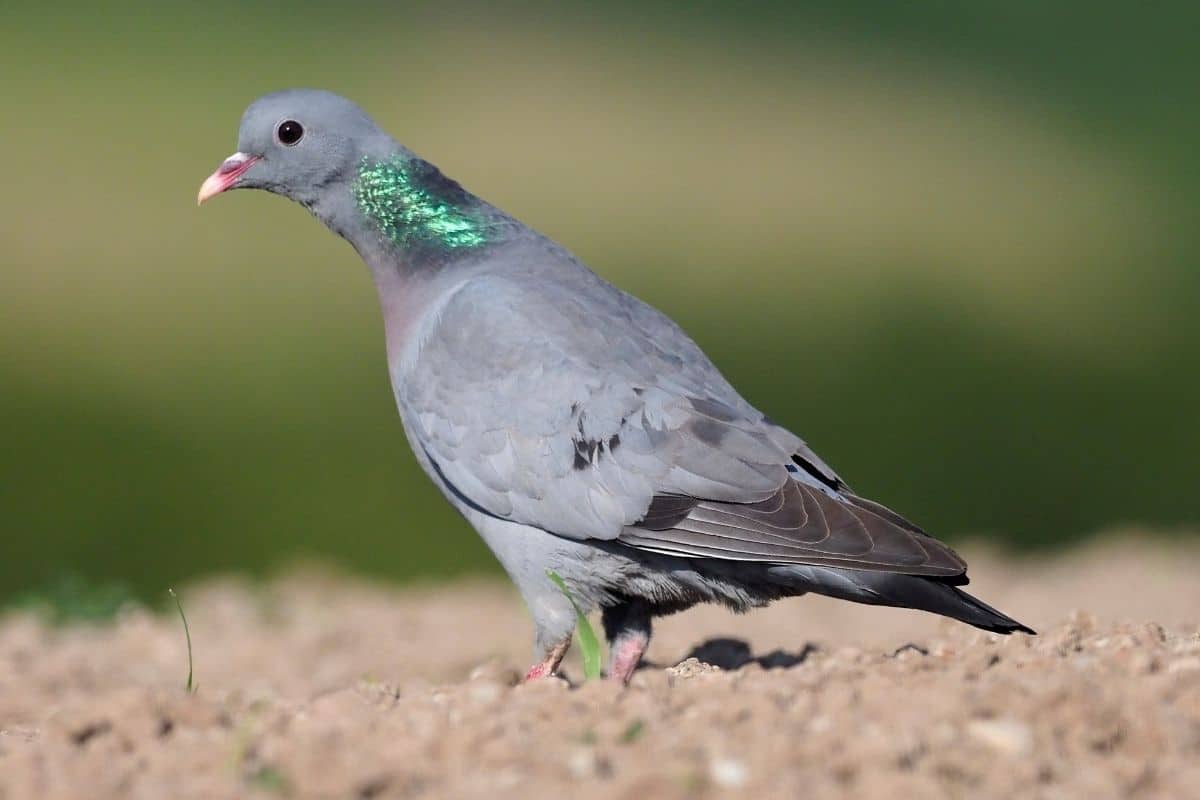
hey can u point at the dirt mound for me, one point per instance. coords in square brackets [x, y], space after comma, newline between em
[323, 686]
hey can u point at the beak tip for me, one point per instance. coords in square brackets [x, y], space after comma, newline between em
[213, 186]
[226, 176]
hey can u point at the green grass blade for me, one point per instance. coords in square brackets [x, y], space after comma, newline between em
[188, 635]
[589, 645]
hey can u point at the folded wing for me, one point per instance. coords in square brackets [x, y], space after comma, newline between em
[582, 411]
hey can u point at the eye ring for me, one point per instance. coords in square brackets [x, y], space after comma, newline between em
[289, 132]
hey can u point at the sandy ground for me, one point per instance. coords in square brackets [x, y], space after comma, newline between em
[322, 686]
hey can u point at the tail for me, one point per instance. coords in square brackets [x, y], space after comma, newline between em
[936, 595]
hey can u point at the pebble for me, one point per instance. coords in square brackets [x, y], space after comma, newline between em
[1008, 736]
[728, 773]
[582, 762]
[484, 692]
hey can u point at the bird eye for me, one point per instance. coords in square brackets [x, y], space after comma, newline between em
[289, 132]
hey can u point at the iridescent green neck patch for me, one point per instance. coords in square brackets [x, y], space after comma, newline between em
[413, 205]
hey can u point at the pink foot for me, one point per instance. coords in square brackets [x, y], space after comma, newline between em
[626, 655]
[549, 665]
[541, 670]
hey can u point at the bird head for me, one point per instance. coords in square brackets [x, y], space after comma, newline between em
[296, 143]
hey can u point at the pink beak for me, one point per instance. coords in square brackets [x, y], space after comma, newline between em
[226, 176]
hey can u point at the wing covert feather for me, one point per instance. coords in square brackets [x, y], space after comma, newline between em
[543, 410]
[600, 418]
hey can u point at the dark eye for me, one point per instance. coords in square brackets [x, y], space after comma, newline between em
[289, 132]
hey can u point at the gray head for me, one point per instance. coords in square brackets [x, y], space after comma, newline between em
[296, 143]
[324, 152]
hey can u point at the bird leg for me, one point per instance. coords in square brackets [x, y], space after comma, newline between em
[627, 626]
[625, 655]
[549, 665]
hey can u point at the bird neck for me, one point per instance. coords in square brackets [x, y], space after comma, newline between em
[407, 213]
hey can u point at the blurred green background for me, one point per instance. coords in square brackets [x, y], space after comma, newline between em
[953, 244]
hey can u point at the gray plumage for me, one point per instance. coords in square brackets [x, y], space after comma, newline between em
[574, 426]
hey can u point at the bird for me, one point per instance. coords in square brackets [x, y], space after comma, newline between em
[579, 430]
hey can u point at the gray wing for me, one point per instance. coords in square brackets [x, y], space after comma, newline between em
[572, 407]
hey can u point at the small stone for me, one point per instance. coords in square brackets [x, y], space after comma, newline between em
[484, 692]
[1008, 736]
[728, 773]
[582, 762]
[943, 650]
[494, 672]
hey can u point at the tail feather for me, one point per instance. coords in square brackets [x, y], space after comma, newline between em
[903, 591]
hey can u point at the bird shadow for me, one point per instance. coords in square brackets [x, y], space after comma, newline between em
[733, 654]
